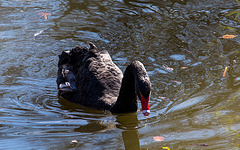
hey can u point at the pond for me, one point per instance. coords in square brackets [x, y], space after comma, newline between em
[194, 71]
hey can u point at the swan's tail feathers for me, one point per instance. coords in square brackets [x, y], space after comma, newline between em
[92, 47]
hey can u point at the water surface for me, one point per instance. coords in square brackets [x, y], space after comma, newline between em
[193, 106]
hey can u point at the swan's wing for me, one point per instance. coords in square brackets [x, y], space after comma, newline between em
[106, 72]
[106, 58]
[98, 80]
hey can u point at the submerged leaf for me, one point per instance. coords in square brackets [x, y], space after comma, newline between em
[199, 144]
[167, 148]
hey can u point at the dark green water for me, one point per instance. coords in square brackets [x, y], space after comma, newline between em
[192, 105]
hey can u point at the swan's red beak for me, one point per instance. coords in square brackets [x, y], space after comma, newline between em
[145, 105]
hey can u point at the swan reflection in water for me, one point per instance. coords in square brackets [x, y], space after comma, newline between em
[127, 122]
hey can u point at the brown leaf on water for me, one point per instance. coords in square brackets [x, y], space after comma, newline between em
[158, 138]
[225, 71]
[227, 36]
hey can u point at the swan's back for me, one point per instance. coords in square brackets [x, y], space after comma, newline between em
[98, 79]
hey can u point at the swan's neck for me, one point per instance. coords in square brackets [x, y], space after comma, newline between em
[127, 99]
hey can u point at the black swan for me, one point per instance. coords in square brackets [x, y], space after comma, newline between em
[90, 78]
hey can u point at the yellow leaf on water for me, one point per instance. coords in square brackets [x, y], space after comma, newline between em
[167, 148]
[227, 36]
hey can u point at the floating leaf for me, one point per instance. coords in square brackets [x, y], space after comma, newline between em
[162, 98]
[227, 36]
[40, 32]
[178, 82]
[167, 148]
[183, 67]
[45, 14]
[168, 68]
[225, 71]
[158, 138]
[74, 141]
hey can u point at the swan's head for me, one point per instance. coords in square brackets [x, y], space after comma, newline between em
[144, 92]
[143, 87]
